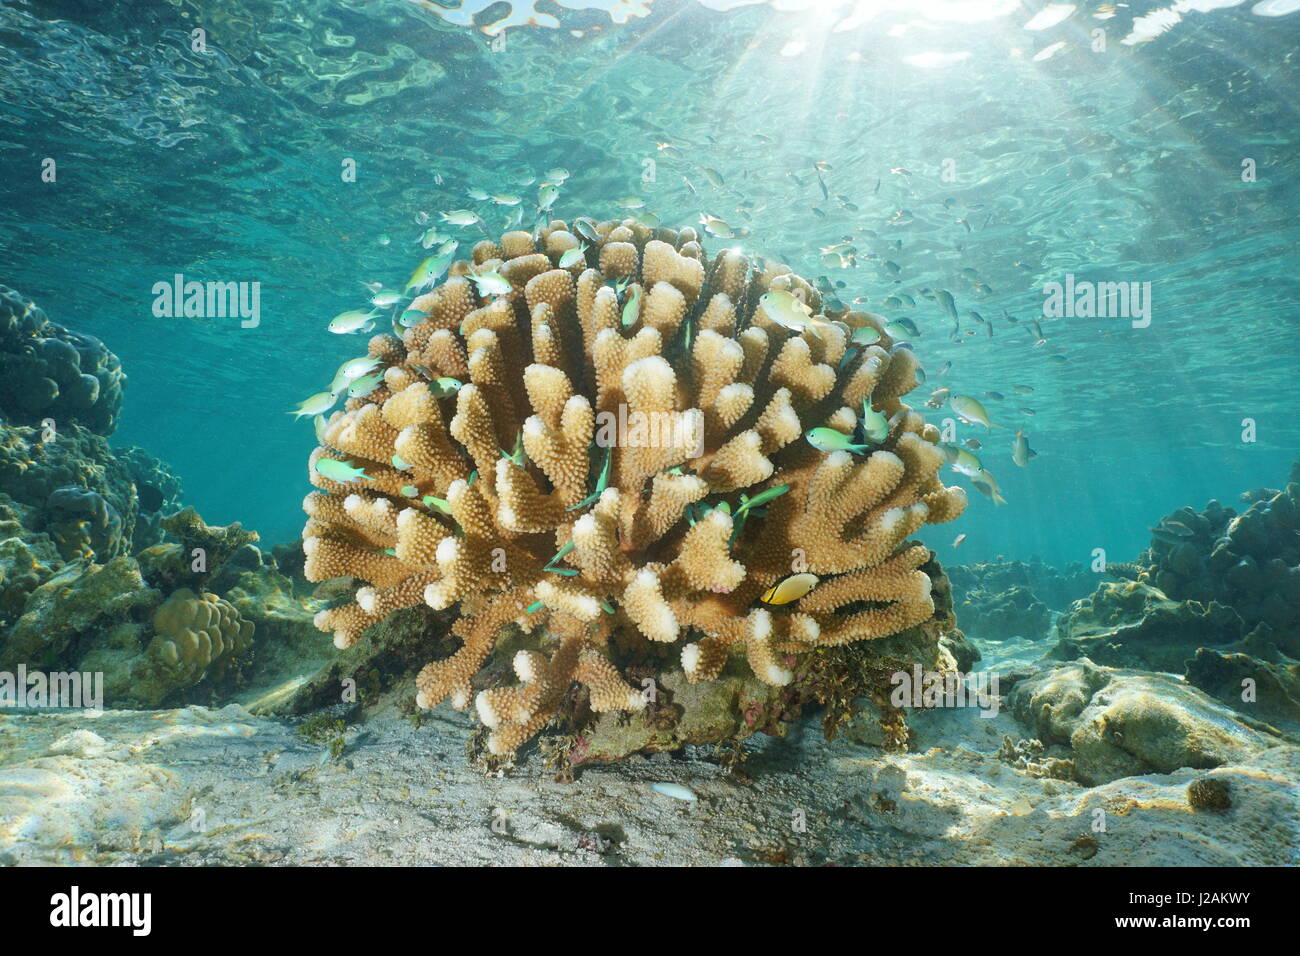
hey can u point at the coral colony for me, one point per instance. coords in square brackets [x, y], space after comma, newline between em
[502, 500]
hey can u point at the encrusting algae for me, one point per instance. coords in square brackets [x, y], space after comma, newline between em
[594, 481]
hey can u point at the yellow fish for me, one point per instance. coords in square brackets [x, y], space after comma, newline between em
[790, 589]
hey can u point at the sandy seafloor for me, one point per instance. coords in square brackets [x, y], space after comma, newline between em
[197, 786]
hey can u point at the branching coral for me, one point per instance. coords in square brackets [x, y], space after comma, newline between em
[590, 482]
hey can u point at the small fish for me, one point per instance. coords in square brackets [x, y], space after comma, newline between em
[507, 199]
[409, 491]
[631, 202]
[438, 504]
[365, 385]
[906, 326]
[713, 176]
[398, 463]
[320, 424]
[947, 302]
[973, 443]
[318, 404]
[354, 320]
[790, 312]
[1022, 389]
[546, 196]
[828, 439]
[996, 396]
[631, 308]
[716, 227]
[421, 217]
[971, 409]
[427, 273]
[1021, 453]
[460, 217]
[602, 482]
[875, 426]
[956, 542]
[962, 461]
[790, 589]
[587, 229]
[386, 299]
[945, 368]
[491, 283]
[443, 387]
[557, 175]
[865, 335]
[988, 485]
[478, 195]
[340, 471]
[571, 256]
[1026, 411]
[762, 498]
[411, 318]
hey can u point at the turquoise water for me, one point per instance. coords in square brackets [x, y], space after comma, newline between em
[1117, 165]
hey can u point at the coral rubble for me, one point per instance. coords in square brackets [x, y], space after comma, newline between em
[650, 394]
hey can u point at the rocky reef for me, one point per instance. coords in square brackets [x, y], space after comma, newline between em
[52, 373]
[1216, 598]
[101, 571]
[997, 600]
[623, 580]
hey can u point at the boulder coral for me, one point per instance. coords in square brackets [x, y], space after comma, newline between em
[624, 472]
[54, 373]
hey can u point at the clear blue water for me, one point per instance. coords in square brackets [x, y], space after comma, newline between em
[1122, 165]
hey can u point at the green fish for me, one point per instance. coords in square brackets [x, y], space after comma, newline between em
[411, 318]
[443, 387]
[340, 471]
[631, 308]
[557, 175]
[762, 498]
[572, 256]
[865, 335]
[354, 320]
[461, 217]
[399, 464]
[365, 385]
[828, 439]
[319, 403]
[716, 227]
[875, 426]
[970, 409]
[602, 482]
[491, 283]
[427, 273]
[386, 298]
[438, 504]
[546, 196]
[409, 490]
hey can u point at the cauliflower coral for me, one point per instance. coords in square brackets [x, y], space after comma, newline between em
[624, 469]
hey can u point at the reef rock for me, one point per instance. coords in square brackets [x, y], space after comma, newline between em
[51, 373]
[1121, 724]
